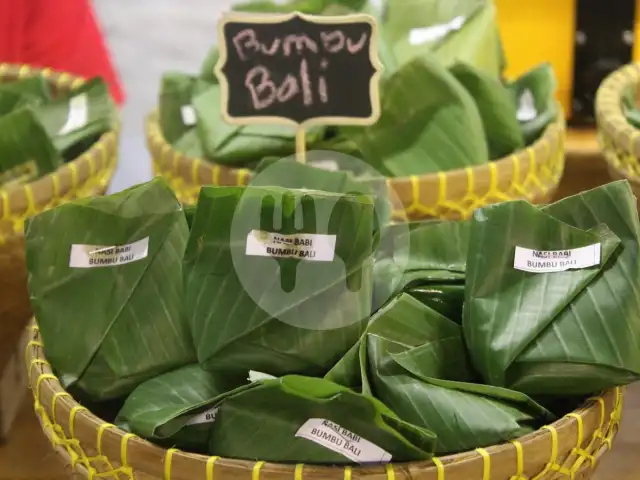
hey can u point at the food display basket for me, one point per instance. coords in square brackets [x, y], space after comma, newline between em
[89, 174]
[619, 139]
[532, 173]
[92, 449]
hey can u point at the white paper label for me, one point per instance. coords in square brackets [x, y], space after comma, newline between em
[329, 165]
[527, 107]
[208, 416]
[418, 36]
[91, 256]
[188, 115]
[78, 114]
[259, 376]
[306, 246]
[340, 440]
[538, 261]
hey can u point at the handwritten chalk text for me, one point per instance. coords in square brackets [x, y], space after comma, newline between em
[265, 89]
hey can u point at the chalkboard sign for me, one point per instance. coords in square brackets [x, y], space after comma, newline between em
[298, 69]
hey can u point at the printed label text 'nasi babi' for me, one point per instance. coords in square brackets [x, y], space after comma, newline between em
[305, 246]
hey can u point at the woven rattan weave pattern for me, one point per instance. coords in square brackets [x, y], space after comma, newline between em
[619, 140]
[87, 175]
[568, 449]
[532, 174]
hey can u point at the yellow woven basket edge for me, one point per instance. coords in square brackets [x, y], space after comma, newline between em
[532, 174]
[619, 140]
[569, 447]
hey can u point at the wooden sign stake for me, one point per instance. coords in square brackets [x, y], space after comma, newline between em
[301, 144]
[299, 70]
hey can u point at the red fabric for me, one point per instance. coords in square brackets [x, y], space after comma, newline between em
[59, 34]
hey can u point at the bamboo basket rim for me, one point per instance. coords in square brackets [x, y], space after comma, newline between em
[23, 200]
[618, 138]
[585, 434]
[532, 173]
[552, 131]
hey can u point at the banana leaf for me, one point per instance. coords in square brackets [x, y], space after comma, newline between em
[32, 90]
[378, 10]
[534, 95]
[26, 151]
[8, 100]
[159, 409]
[112, 265]
[452, 30]
[427, 261]
[189, 144]
[272, 419]
[558, 333]
[189, 213]
[87, 111]
[350, 177]
[240, 145]
[496, 107]
[175, 112]
[414, 361]
[428, 123]
[259, 300]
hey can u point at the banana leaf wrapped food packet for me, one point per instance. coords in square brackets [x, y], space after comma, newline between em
[30, 91]
[496, 107]
[427, 261]
[461, 31]
[552, 305]
[26, 150]
[414, 360]
[175, 112]
[534, 97]
[329, 172]
[240, 145]
[288, 419]
[75, 120]
[114, 266]
[421, 130]
[278, 280]
[23, 92]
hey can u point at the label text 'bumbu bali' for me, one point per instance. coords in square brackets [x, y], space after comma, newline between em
[261, 84]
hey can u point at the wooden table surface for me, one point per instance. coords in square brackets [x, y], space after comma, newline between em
[28, 456]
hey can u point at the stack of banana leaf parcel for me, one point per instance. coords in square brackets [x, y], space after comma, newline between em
[443, 100]
[41, 129]
[293, 325]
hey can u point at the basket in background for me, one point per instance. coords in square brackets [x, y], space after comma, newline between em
[619, 139]
[532, 174]
[89, 174]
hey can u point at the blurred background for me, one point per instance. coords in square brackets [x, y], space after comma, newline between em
[147, 38]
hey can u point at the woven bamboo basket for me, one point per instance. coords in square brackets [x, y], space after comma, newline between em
[532, 173]
[87, 175]
[619, 140]
[568, 449]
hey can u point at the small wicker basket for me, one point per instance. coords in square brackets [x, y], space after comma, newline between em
[87, 175]
[619, 140]
[532, 174]
[91, 448]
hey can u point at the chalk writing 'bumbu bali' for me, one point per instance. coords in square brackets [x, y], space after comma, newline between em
[265, 90]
